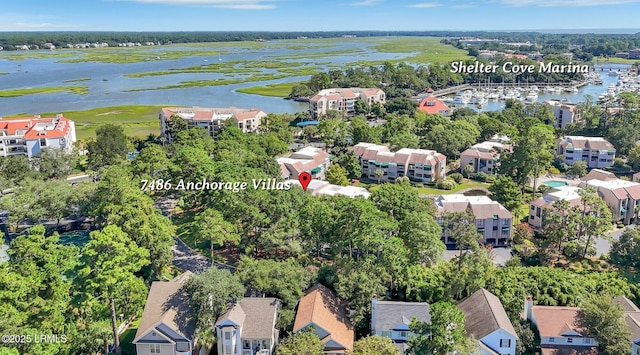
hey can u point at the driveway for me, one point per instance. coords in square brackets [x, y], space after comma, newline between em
[186, 258]
[499, 256]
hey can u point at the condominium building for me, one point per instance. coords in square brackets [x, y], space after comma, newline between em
[324, 188]
[564, 112]
[212, 119]
[622, 196]
[484, 156]
[597, 152]
[493, 221]
[343, 100]
[419, 165]
[313, 160]
[542, 205]
[28, 136]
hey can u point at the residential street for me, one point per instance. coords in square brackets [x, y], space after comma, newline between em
[186, 258]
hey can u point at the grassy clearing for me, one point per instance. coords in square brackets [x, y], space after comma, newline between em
[78, 90]
[139, 121]
[614, 60]
[425, 49]
[214, 82]
[57, 54]
[3, 73]
[127, 337]
[76, 80]
[353, 51]
[277, 90]
[458, 188]
[433, 191]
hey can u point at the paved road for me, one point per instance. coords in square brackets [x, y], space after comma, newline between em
[186, 258]
[603, 245]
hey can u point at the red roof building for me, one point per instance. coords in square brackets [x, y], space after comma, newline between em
[29, 135]
[433, 105]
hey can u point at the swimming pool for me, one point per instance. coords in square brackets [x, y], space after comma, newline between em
[78, 238]
[555, 183]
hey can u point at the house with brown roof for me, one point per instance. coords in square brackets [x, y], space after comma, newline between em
[597, 152]
[419, 165]
[391, 319]
[343, 100]
[212, 119]
[486, 320]
[622, 196]
[432, 105]
[632, 319]
[560, 330]
[313, 160]
[249, 328]
[636, 177]
[167, 326]
[493, 221]
[321, 309]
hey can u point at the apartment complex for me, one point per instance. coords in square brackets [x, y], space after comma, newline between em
[313, 160]
[597, 152]
[622, 196]
[542, 205]
[28, 136]
[485, 156]
[324, 188]
[564, 112]
[419, 165]
[343, 100]
[212, 119]
[493, 221]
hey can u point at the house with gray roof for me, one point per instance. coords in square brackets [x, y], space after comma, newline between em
[249, 328]
[487, 321]
[632, 319]
[167, 326]
[391, 319]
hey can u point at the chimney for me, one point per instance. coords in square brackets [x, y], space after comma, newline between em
[528, 308]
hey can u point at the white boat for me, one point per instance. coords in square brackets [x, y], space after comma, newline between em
[532, 96]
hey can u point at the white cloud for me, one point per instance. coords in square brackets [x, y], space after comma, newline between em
[555, 3]
[425, 5]
[367, 3]
[226, 4]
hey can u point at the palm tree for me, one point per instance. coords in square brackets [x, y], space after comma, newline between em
[379, 174]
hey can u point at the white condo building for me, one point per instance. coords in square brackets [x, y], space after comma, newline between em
[343, 100]
[597, 152]
[28, 136]
[213, 119]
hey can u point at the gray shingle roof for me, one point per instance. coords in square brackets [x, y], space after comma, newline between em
[168, 303]
[484, 314]
[256, 316]
[390, 314]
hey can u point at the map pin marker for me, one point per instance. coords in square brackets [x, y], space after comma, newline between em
[305, 179]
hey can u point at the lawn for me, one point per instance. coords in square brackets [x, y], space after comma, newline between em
[424, 49]
[127, 337]
[277, 90]
[458, 188]
[79, 90]
[434, 191]
[137, 120]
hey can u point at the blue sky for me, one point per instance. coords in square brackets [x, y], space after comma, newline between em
[315, 15]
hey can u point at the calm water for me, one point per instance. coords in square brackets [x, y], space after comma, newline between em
[108, 82]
